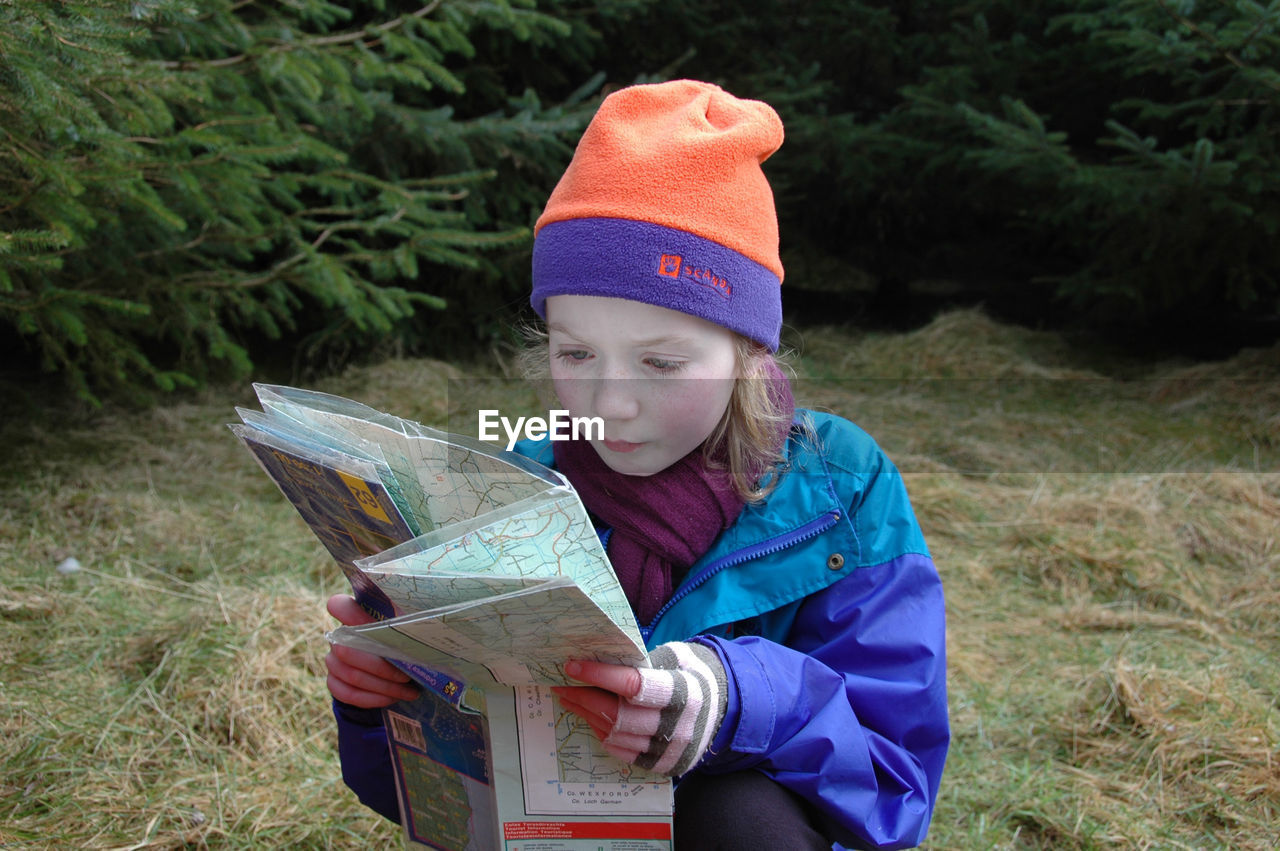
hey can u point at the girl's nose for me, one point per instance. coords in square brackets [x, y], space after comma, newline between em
[616, 398]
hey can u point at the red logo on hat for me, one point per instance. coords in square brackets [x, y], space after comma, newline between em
[669, 265]
[673, 265]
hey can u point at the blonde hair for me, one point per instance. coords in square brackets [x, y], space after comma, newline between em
[750, 438]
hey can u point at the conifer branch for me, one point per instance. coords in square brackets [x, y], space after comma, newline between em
[359, 226]
[386, 27]
[178, 249]
[1199, 31]
[202, 282]
[318, 41]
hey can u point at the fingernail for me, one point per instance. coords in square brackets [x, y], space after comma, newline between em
[573, 668]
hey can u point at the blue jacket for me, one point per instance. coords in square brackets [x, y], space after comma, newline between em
[827, 612]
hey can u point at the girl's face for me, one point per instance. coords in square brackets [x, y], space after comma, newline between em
[659, 379]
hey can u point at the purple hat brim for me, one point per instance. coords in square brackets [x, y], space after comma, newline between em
[662, 266]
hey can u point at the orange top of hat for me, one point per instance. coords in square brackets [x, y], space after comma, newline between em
[683, 154]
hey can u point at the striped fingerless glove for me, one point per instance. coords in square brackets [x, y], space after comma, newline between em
[670, 723]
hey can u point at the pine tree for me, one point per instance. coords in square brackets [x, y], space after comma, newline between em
[178, 182]
[1146, 159]
[1114, 161]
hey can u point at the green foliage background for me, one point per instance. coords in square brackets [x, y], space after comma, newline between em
[1113, 160]
[182, 181]
[185, 188]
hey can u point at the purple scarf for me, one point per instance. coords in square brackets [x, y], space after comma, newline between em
[661, 523]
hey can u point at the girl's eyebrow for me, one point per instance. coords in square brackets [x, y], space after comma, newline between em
[665, 340]
[560, 329]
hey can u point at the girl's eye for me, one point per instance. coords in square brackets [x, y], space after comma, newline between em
[663, 365]
[572, 355]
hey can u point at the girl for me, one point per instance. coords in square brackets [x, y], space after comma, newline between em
[771, 555]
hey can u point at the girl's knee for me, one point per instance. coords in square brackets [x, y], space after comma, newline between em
[742, 811]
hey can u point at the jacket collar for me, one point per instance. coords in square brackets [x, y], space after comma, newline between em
[803, 496]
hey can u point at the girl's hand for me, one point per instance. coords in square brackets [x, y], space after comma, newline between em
[661, 718]
[597, 702]
[359, 678]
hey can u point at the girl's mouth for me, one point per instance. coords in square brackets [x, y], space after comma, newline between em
[621, 446]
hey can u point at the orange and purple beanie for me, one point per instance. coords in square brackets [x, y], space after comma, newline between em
[665, 203]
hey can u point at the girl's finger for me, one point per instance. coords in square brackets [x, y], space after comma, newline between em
[619, 679]
[348, 612]
[347, 693]
[363, 685]
[597, 721]
[594, 700]
[369, 663]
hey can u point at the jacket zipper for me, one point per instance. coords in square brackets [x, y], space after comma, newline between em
[811, 529]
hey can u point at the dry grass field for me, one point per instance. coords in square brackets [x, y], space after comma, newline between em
[1108, 532]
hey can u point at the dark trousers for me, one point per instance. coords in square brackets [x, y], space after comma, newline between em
[742, 811]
